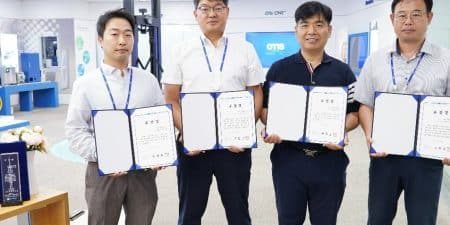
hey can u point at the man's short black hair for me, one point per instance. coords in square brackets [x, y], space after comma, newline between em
[105, 18]
[428, 3]
[312, 8]
[196, 2]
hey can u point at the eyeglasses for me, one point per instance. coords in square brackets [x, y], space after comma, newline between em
[217, 9]
[415, 16]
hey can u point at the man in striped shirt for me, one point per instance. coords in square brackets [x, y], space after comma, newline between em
[412, 65]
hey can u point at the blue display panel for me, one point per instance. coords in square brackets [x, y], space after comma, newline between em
[273, 46]
[358, 50]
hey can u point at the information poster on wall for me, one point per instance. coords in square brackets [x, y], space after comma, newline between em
[85, 40]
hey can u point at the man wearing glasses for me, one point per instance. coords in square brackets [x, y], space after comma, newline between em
[213, 62]
[412, 65]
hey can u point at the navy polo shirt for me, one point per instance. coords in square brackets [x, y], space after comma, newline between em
[294, 70]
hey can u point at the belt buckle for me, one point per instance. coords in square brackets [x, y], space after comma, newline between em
[309, 152]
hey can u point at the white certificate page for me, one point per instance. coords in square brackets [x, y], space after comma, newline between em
[433, 137]
[153, 135]
[327, 108]
[113, 141]
[286, 111]
[236, 119]
[199, 121]
[394, 124]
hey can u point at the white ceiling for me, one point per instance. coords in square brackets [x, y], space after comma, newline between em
[340, 7]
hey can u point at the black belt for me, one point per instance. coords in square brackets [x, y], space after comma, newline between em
[312, 152]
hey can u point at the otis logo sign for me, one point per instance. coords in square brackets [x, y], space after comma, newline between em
[275, 46]
[275, 13]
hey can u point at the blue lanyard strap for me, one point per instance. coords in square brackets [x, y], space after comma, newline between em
[410, 76]
[109, 89]
[207, 58]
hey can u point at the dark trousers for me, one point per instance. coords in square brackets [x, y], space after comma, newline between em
[195, 173]
[420, 179]
[301, 181]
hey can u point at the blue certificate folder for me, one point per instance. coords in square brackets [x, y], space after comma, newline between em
[411, 125]
[20, 148]
[313, 114]
[217, 120]
[134, 139]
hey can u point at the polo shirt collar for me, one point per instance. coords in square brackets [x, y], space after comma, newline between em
[326, 58]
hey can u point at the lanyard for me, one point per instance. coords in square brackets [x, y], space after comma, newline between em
[207, 58]
[410, 76]
[109, 89]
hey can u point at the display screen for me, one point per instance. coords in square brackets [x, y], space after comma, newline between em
[273, 46]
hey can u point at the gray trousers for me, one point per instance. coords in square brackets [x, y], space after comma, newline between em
[105, 196]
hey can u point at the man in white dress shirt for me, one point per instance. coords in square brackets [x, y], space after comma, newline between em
[411, 65]
[114, 85]
[212, 62]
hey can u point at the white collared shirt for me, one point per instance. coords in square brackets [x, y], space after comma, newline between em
[89, 92]
[432, 76]
[189, 68]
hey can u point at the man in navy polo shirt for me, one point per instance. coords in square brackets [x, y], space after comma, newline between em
[310, 175]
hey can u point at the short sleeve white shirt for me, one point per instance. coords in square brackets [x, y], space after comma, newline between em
[189, 67]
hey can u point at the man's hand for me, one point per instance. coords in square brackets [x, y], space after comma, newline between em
[118, 174]
[235, 149]
[446, 161]
[191, 152]
[194, 152]
[336, 147]
[271, 139]
[377, 154]
[158, 168]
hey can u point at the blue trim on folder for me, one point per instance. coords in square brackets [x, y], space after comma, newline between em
[94, 113]
[271, 84]
[412, 153]
[417, 98]
[307, 88]
[100, 172]
[342, 143]
[377, 94]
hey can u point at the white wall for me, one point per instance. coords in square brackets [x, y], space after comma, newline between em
[439, 31]
[61, 9]
[9, 9]
[358, 21]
